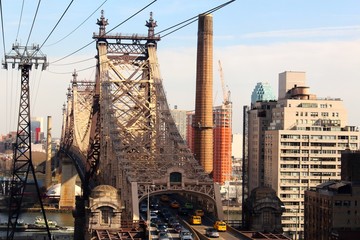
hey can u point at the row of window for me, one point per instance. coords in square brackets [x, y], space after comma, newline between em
[344, 203]
[323, 137]
[316, 114]
[312, 151]
[311, 174]
[306, 159]
[314, 144]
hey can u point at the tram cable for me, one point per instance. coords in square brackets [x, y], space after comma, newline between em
[21, 13]
[192, 19]
[56, 25]
[33, 22]
[133, 15]
[77, 26]
[2, 27]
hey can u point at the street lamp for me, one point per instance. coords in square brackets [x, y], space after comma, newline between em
[228, 200]
[148, 209]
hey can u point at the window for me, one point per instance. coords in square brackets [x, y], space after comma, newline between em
[106, 213]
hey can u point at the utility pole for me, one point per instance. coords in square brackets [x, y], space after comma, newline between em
[24, 57]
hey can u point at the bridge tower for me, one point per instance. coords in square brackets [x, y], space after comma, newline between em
[139, 149]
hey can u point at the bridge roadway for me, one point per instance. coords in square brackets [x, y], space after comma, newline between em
[198, 230]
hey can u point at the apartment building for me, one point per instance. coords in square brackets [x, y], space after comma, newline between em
[303, 145]
[332, 209]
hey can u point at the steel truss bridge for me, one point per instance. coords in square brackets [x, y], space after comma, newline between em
[119, 131]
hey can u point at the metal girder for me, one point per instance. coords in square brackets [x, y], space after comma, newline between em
[137, 136]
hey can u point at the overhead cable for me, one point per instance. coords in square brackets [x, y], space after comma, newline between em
[80, 61]
[2, 27]
[105, 33]
[77, 26]
[192, 19]
[130, 17]
[21, 13]
[81, 70]
[33, 22]
[56, 24]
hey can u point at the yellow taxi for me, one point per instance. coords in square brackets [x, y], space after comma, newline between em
[199, 212]
[196, 220]
[220, 226]
[164, 198]
[175, 204]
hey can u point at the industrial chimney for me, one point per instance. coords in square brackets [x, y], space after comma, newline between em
[203, 120]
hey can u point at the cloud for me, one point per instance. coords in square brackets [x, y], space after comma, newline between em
[331, 68]
[307, 33]
[328, 65]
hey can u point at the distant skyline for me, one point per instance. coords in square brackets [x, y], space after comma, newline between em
[254, 40]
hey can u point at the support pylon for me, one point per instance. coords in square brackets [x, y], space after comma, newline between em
[24, 58]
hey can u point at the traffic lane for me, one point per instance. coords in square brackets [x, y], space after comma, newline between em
[200, 229]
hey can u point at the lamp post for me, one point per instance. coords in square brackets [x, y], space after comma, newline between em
[148, 209]
[228, 200]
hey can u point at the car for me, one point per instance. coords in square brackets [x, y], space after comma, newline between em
[178, 227]
[154, 222]
[199, 212]
[175, 204]
[185, 234]
[188, 205]
[163, 236]
[220, 226]
[196, 220]
[164, 198]
[153, 215]
[173, 221]
[161, 227]
[183, 211]
[211, 232]
[164, 211]
[143, 208]
[154, 203]
[167, 216]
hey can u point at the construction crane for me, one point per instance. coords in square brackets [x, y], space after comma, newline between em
[226, 93]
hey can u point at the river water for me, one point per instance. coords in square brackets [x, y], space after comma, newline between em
[63, 219]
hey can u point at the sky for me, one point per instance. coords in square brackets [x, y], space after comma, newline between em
[255, 40]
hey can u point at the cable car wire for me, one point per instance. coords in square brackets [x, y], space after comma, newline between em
[78, 26]
[105, 33]
[33, 22]
[2, 27]
[56, 24]
[21, 13]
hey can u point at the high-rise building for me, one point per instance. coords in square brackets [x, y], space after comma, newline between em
[222, 143]
[302, 140]
[37, 130]
[179, 117]
[262, 103]
[222, 139]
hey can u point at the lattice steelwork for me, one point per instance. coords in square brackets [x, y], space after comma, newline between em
[24, 57]
[78, 120]
[137, 119]
[134, 144]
